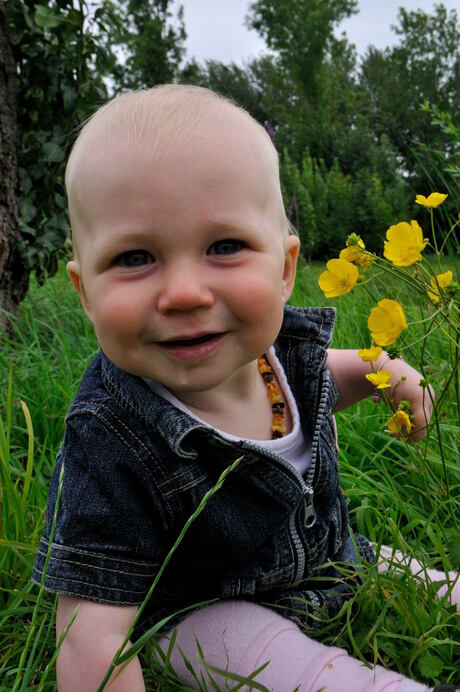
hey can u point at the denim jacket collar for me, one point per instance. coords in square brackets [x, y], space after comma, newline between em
[312, 325]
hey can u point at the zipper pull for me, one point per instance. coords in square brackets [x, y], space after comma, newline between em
[310, 514]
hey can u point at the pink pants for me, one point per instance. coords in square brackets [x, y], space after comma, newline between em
[240, 636]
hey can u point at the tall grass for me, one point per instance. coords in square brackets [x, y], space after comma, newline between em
[396, 495]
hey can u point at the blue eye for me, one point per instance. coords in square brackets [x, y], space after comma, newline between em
[227, 246]
[135, 258]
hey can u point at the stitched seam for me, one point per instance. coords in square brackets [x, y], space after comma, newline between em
[91, 553]
[130, 405]
[122, 424]
[326, 440]
[97, 567]
[165, 480]
[105, 375]
[144, 447]
[95, 586]
[175, 477]
[118, 434]
[96, 599]
[191, 484]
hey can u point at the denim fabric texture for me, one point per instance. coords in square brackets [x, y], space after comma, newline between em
[135, 469]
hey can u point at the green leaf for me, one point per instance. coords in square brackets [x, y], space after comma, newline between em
[69, 95]
[27, 209]
[53, 152]
[453, 548]
[46, 18]
[430, 666]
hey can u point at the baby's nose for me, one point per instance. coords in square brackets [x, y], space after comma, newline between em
[184, 288]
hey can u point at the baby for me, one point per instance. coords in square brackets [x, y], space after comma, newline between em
[184, 262]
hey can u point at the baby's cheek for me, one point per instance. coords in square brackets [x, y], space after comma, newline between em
[118, 317]
[260, 302]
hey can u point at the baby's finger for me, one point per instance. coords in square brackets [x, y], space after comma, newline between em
[418, 433]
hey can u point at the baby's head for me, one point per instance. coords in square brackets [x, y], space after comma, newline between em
[169, 117]
[178, 224]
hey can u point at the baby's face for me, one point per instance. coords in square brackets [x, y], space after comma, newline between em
[183, 265]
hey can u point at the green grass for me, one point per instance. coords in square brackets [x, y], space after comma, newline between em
[396, 493]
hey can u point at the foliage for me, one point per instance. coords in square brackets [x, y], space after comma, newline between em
[435, 296]
[442, 164]
[302, 34]
[336, 176]
[60, 64]
[325, 203]
[423, 66]
[150, 44]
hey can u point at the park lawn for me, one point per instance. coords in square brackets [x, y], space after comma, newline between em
[396, 492]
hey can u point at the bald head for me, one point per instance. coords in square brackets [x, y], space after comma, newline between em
[156, 123]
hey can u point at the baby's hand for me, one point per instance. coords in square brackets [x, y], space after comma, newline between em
[408, 385]
[351, 374]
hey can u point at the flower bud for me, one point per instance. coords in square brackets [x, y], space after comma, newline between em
[353, 239]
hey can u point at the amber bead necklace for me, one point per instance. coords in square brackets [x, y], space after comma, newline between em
[274, 395]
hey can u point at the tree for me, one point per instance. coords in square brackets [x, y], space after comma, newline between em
[12, 284]
[336, 177]
[301, 32]
[423, 67]
[310, 89]
[54, 64]
[150, 42]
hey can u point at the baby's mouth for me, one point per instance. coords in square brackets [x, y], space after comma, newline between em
[191, 341]
[192, 348]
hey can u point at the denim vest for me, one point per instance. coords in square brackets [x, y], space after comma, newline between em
[136, 468]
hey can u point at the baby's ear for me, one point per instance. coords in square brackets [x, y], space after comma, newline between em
[74, 272]
[291, 253]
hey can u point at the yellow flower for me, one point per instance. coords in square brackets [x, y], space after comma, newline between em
[404, 244]
[354, 253]
[432, 201]
[386, 322]
[380, 379]
[443, 280]
[339, 278]
[398, 421]
[370, 354]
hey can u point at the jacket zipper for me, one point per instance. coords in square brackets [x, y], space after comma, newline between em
[305, 484]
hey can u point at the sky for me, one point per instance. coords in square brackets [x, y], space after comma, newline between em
[216, 29]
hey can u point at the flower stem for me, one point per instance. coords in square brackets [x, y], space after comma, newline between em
[447, 236]
[435, 242]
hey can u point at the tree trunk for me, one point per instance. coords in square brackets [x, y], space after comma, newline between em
[14, 279]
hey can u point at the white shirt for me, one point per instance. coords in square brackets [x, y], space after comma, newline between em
[292, 447]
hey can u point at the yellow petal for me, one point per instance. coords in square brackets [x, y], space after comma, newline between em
[386, 322]
[380, 379]
[441, 281]
[350, 254]
[370, 354]
[404, 244]
[432, 201]
[339, 278]
[398, 421]
[354, 253]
